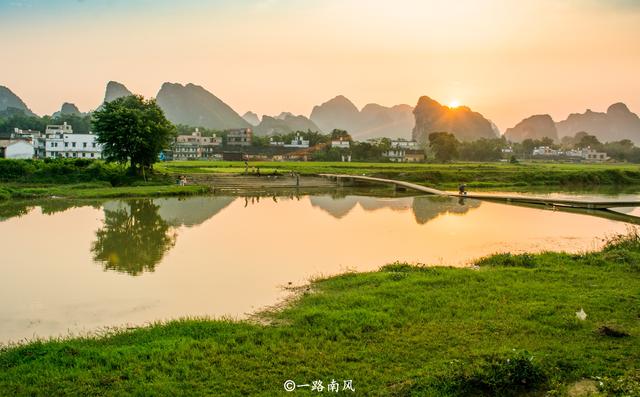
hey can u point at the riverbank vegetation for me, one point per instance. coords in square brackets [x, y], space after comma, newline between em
[512, 325]
[80, 178]
[438, 175]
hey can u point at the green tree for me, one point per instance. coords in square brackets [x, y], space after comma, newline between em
[444, 146]
[482, 149]
[588, 141]
[133, 130]
[337, 134]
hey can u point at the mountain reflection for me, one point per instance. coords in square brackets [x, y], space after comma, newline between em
[133, 239]
[424, 208]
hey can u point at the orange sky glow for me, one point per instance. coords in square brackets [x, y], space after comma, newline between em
[505, 59]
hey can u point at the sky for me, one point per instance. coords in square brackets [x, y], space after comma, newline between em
[504, 58]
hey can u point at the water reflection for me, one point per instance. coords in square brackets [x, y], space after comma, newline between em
[426, 208]
[133, 239]
[218, 256]
[12, 209]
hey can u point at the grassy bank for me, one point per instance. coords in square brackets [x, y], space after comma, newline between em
[505, 328]
[81, 178]
[95, 190]
[439, 175]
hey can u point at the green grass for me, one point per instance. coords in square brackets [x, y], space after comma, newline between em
[476, 175]
[506, 328]
[95, 190]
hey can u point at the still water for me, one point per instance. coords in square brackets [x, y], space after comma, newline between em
[69, 268]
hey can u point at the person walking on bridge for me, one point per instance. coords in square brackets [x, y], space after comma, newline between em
[462, 189]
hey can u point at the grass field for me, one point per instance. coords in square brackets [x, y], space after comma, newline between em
[94, 190]
[508, 327]
[438, 175]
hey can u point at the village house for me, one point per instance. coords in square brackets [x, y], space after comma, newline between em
[341, 143]
[196, 146]
[298, 142]
[585, 154]
[61, 141]
[240, 137]
[19, 149]
[403, 151]
[588, 154]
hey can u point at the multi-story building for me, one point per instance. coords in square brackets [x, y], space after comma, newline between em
[298, 142]
[341, 143]
[403, 151]
[545, 151]
[587, 154]
[240, 137]
[61, 141]
[196, 146]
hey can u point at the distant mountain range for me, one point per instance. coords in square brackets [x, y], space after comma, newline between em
[284, 124]
[534, 127]
[251, 118]
[616, 124]
[371, 122]
[195, 106]
[465, 124]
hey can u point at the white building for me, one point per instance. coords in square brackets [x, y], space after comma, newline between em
[403, 151]
[341, 144]
[21, 149]
[588, 154]
[404, 144]
[61, 141]
[545, 151]
[298, 142]
[275, 143]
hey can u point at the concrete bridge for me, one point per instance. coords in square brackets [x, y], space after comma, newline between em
[345, 180]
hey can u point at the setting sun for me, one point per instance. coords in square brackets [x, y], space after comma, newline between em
[454, 104]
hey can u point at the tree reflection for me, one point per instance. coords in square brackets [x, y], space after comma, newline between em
[134, 239]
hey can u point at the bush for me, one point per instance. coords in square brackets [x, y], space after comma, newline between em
[61, 171]
[626, 385]
[505, 375]
[508, 260]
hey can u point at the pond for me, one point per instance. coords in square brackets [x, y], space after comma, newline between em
[75, 267]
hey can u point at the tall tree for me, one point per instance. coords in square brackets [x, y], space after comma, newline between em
[133, 130]
[444, 146]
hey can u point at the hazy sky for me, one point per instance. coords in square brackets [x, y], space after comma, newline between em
[507, 59]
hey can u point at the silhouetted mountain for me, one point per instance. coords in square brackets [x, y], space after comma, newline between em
[372, 121]
[464, 123]
[115, 90]
[284, 115]
[193, 105]
[616, 124]
[251, 118]
[534, 127]
[337, 113]
[290, 123]
[68, 109]
[9, 100]
[381, 121]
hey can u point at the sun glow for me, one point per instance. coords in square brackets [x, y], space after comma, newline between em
[454, 104]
